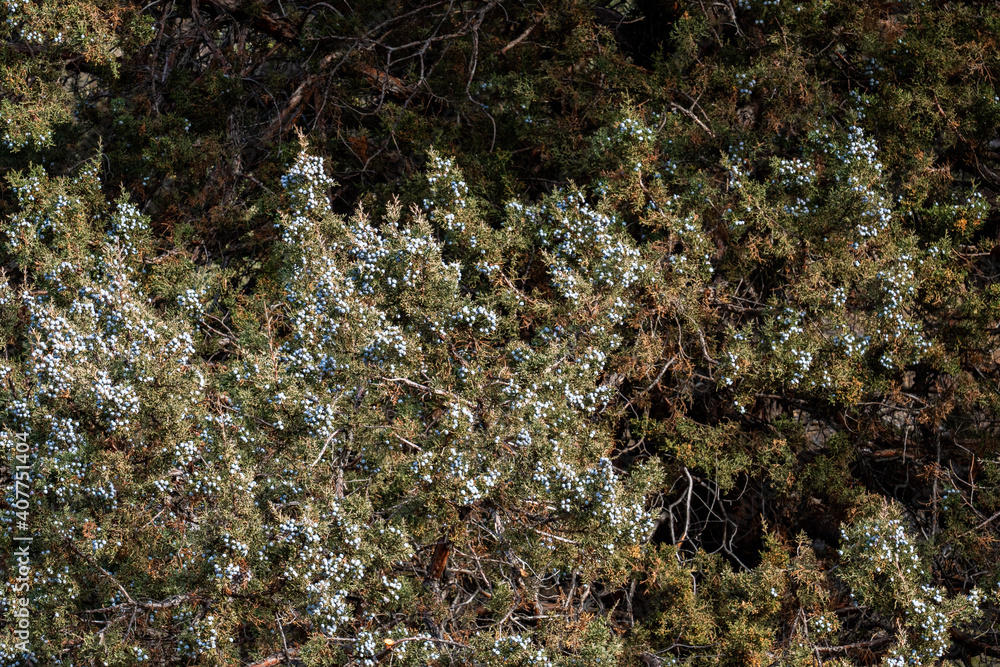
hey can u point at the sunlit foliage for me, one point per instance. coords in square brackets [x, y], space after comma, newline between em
[485, 333]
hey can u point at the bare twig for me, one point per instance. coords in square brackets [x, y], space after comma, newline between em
[690, 114]
[520, 38]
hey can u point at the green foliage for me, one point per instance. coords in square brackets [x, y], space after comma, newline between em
[886, 573]
[575, 334]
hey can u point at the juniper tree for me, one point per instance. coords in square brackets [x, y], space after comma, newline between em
[662, 353]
